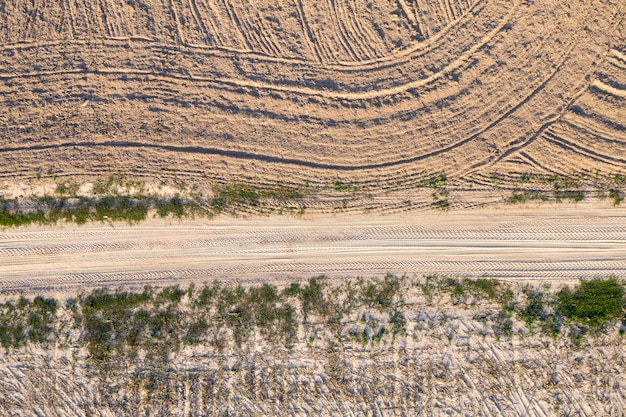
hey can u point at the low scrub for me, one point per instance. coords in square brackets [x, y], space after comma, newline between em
[571, 195]
[115, 325]
[525, 197]
[593, 303]
[617, 196]
[24, 320]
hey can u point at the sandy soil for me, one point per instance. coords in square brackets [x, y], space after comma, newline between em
[453, 358]
[383, 95]
[553, 243]
[291, 91]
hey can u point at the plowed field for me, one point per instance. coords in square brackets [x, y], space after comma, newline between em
[290, 91]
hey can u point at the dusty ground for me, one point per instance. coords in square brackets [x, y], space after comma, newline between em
[377, 95]
[450, 356]
[553, 242]
[294, 92]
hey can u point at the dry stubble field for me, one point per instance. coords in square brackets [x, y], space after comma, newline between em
[352, 93]
[291, 92]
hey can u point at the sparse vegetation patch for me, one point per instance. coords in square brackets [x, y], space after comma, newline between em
[116, 324]
[593, 303]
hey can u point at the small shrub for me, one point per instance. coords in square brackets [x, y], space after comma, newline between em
[593, 303]
[119, 208]
[482, 286]
[172, 295]
[312, 297]
[397, 322]
[442, 205]
[524, 197]
[227, 195]
[503, 325]
[380, 294]
[68, 187]
[174, 206]
[341, 187]
[572, 195]
[535, 309]
[617, 196]
[283, 193]
[435, 182]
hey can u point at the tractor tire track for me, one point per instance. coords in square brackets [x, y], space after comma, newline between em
[565, 246]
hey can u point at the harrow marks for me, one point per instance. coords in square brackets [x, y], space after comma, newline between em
[327, 89]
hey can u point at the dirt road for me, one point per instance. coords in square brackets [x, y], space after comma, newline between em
[550, 242]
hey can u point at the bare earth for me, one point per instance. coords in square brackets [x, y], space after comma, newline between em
[292, 91]
[380, 96]
[553, 243]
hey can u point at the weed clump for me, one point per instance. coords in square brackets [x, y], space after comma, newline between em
[617, 196]
[524, 197]
[571, 195]
[593, 303]
[27, 321]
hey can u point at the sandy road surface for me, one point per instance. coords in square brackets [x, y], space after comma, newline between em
[553, 243]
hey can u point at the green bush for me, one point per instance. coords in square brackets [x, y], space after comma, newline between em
[442, 204]
[68, 187]
[283, 193]
[380, 294]
[435, 182]
[27, 321]
[524, 197]
[535, 309]
[593, 303]
[617, 196]
[572, 195]
[174, 206]
[341, 187]
[171, 294]
[482, 286]
[227, 195]
[120, 208]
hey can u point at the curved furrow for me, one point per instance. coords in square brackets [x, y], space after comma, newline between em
[364, 31]
[310, 40]
[489, 90]
[505, 115]
[583, 150]
[464, 46]
[207, 36]
[347, 20]
[593, 129]
[340, 34]
[256, 24]
[208, 14]
[601, 146]
[607, 88]
[235, 23]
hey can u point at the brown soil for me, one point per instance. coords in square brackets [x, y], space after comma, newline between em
[294, 92]
[380, 96]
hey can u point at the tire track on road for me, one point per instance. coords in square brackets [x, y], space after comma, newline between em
[571, 245]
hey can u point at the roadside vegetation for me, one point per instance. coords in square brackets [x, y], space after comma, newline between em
[25, 321]
[118, 199]
[559, 188]
[118, 325]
